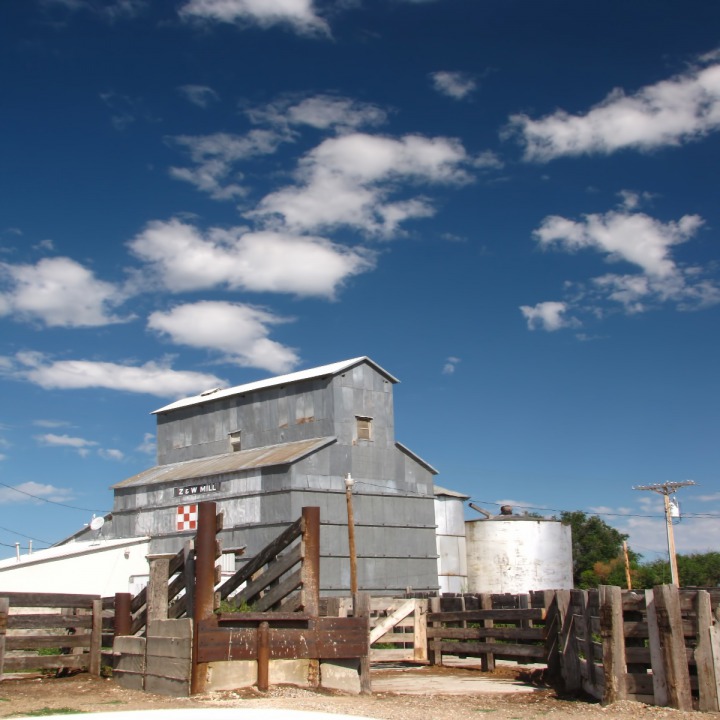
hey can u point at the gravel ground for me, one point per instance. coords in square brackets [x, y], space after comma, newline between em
[83, 693]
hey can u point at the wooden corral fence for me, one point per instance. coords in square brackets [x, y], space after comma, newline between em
[491, 626]
[659, 646]
[398, 630]
[50, 631]
[276, 595]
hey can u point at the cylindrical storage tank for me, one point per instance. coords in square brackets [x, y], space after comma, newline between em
[450, 534]
[509, 554]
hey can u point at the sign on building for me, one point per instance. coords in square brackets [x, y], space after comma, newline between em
[187, 517]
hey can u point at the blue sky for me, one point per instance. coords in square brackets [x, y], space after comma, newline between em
[512, 206]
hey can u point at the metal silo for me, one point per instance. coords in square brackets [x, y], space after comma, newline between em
[516, 554]
[451, 545]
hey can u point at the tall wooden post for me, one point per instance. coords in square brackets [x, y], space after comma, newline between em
[351, 535]
[706, 668]
[203, 602]
[310, 572]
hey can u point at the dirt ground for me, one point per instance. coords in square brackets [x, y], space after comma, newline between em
[83, 693]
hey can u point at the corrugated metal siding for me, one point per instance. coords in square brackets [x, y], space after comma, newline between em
[284, 454]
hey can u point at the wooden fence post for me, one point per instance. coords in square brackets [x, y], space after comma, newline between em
[4, 612]
[567, 644]
[672, 643]
[613, 642]
[554, 616]
[361, 608]
[707, 671]
[310, 569]
[587, 646]
[487, 660]
[157, 595]
[660, 694]
[434, 652]
[96, 638]
[204, 600]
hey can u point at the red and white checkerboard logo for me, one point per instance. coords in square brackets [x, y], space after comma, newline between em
[187, 517]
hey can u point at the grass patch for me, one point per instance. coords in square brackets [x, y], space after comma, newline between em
[43, 712]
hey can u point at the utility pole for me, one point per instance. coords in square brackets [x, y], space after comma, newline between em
[349, 482]
[667, 489]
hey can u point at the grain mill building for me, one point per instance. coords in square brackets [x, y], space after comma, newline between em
[264, 450]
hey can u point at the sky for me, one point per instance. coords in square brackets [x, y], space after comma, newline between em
[510, 205]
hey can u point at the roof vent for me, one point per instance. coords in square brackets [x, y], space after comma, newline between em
[210, 392]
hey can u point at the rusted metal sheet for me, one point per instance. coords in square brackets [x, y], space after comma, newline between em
[268, 456]
[326, 638]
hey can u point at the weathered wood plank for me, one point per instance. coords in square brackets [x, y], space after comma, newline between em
[529, 634]
[277, 593]
[569, 660]
[47, 621]
[36, 642]
[672, 643]
[49, 600]
[33, 662]
[503, 616]
[274, 571]
[504, 650]
[4, 609]
[613, 643]
[660, 696]
[269, 552]
[707, 681]
[361, 611]
[386, 623]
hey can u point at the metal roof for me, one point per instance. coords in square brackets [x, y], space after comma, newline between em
[70, 549]
[218, 393]
[267, 456]
[439, 490]
[416, 457]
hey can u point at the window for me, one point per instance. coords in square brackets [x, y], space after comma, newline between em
[234, 437]
[364, 427]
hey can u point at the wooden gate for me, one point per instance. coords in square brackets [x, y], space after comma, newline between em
[398, 630]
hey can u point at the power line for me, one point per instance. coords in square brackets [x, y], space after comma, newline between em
[52, 502]
[606, 514]
[27, 537]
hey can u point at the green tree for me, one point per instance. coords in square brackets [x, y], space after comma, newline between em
[694, 570]
[597, 550]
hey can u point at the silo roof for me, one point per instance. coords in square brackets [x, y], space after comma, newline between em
[219, 393]
[283, 454]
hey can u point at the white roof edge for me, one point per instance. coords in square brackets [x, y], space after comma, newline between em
[332, 369]
[415, 456]
[440, 490]
[78, 547]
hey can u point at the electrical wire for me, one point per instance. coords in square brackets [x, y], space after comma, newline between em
[52, 502]
[27, 537]
[604, 514]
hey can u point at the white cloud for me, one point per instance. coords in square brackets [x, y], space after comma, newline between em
[148, 444]
[634, 237]
[64, 441]
[347, 180]
[28, 491]
[631, 237]
[457, 85]
[300, 15]
[216, 155]
[450, 365]
[206, 324]
[185, 259]
[153, 378]
[671, 112]
[324, 111]
[51, 423]
[59, 292]
[111, 454]
[548, 316]
[200, 95]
